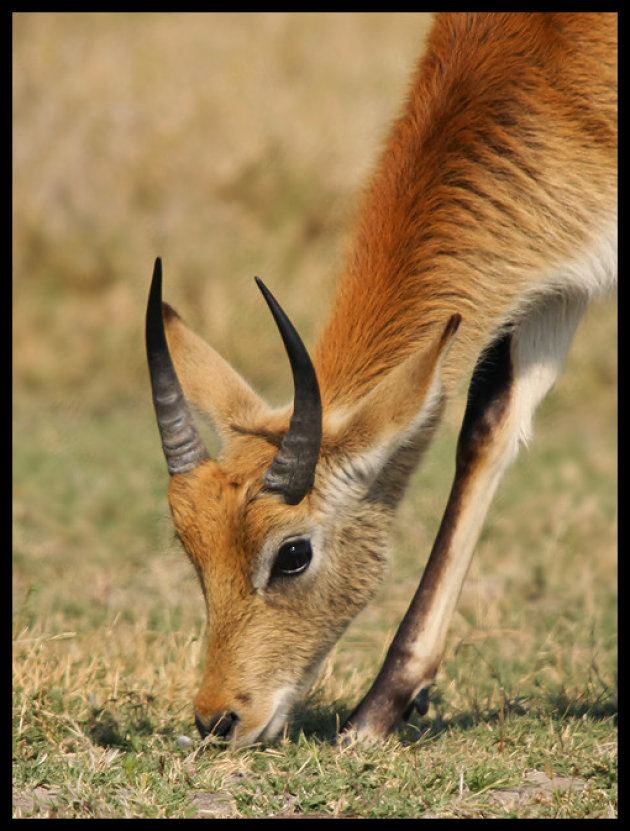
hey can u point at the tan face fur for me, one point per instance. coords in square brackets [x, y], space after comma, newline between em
[268, 632]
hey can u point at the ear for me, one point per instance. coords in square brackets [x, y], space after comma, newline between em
[208, 381]
[396, 410]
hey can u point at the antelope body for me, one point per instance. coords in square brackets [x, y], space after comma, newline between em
[490, 223]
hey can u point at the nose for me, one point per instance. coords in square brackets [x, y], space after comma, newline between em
[220, 725]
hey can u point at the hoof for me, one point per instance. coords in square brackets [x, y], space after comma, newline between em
[421, 701]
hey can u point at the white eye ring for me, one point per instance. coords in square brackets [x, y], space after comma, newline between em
[290, 552]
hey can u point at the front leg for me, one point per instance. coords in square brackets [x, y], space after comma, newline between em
[487, 443]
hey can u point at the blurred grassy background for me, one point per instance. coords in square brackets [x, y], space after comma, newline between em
[231, 145]
[235, 144]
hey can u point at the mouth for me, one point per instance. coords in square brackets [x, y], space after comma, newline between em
[230, 727]
[220, 727]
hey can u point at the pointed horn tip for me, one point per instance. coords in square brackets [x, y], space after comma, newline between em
[168, 311]
[155, 292]
[270, 299]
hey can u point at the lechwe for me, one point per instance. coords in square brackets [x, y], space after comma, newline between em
[490, 222]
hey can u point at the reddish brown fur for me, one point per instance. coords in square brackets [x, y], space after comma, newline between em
[472, 203]
[497, 179]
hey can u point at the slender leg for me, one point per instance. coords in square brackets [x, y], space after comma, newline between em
[509, 381]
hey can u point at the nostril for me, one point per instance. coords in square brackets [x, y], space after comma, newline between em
[220, 725]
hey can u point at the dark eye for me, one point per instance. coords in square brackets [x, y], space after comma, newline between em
[293, 558]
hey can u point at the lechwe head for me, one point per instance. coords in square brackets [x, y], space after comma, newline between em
[288, 529]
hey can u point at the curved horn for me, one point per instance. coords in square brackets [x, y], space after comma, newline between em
[292, 472]
[182, 444]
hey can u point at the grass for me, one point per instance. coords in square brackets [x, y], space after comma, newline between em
[234, 145]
